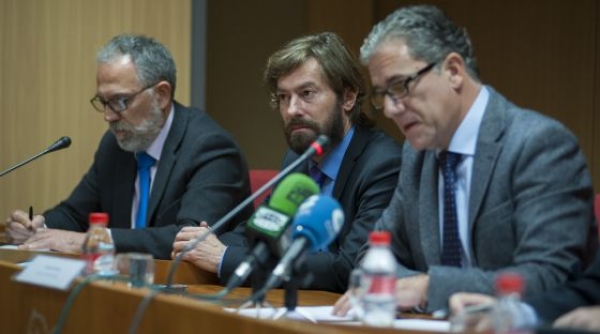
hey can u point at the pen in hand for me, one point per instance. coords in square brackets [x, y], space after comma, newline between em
[30, 218]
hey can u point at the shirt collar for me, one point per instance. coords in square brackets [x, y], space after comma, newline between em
[155, 149]
[330, 165]
[464, 140]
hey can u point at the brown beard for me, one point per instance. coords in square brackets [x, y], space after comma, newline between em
[333, 128]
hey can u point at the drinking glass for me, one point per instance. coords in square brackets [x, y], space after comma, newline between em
[138, 267]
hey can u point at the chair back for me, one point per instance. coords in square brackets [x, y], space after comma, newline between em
[258, 177]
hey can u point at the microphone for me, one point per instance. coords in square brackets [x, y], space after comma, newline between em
[266, 228]
[317, 223]
[318, 147]
[61, 143]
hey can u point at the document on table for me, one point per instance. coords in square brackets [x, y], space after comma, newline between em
[323, 314]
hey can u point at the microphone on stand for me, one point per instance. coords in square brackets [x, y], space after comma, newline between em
[316, 148]
[61, 143]
[266, 229]
[316, 225]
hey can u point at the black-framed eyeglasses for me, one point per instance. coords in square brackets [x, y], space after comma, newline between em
[397, 90]
[117, 104]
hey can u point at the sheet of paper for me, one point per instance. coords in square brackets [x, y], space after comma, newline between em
[50, 271]
[323, 314]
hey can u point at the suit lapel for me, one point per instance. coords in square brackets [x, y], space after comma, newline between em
[124, 180]
[356, 146]
[168, 158]
[429, 225]
[489, 146]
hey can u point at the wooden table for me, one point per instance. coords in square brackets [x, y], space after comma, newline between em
[109, 307]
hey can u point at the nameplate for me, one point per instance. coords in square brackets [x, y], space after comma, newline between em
[51, 272]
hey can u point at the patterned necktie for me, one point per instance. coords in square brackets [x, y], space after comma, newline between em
[318, 176]
[144, 163]
[451, 252]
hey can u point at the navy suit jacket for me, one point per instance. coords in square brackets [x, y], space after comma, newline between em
[201, 175]
[365, 184]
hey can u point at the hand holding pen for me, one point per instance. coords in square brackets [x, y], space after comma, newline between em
[21, 225]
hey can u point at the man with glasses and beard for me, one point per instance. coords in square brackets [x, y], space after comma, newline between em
[161, 166]
[316, 86]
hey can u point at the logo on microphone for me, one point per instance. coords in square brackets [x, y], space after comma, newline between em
[270, 221]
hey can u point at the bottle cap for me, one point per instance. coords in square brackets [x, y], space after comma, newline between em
[507, 283]
[99, 218]
[380, 237]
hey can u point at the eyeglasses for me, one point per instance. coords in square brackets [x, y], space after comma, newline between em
[398, 89]
[118, 104]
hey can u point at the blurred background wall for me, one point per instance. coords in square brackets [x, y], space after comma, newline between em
[541, 54]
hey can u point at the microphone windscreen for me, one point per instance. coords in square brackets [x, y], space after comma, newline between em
[62, 142]
[319, 219]
[291, 192]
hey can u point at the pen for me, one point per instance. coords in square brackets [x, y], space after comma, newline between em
[30, 218]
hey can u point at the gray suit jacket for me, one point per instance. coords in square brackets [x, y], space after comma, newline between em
[530, 207]
[201, 176]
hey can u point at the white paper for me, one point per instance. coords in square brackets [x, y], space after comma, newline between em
[309, 313]
[50, 271]
[323, 314]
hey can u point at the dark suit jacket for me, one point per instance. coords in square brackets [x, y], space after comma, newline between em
[583, 290]
[366, 181]
[200, 177]
[530, 207]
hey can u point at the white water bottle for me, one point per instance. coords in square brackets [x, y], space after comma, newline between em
[98, 249]
[509, 315]
[379, 281]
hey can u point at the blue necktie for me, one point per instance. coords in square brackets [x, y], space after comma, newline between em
[144, 163]
[318, 176]
[451, 252]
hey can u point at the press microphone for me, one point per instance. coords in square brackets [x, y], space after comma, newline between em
[318, 147]
[267, 226]
[317, 223]
[61, 143]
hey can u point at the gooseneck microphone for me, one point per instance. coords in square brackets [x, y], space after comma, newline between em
[318, 147]
[267, 226]
[316, 225]
[61, 143]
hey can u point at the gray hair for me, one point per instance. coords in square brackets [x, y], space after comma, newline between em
[429, 34]
[152, 60]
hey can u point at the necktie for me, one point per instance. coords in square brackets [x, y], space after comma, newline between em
[451, 252]
[318, 176]
[144, 163]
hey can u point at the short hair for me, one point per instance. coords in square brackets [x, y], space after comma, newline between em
[339, 67]
[429, 34]
[152, 60]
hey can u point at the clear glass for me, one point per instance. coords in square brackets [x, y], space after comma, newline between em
[137, 267]
[356, 290]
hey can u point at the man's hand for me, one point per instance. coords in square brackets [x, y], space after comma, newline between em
[206, 255]
[57, 240]
[587, 318]
[459, 301]
[19, 228]
[412, 291]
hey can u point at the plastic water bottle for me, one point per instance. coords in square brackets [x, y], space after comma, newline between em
[98, 249]
[379, 281]
[509, 315]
